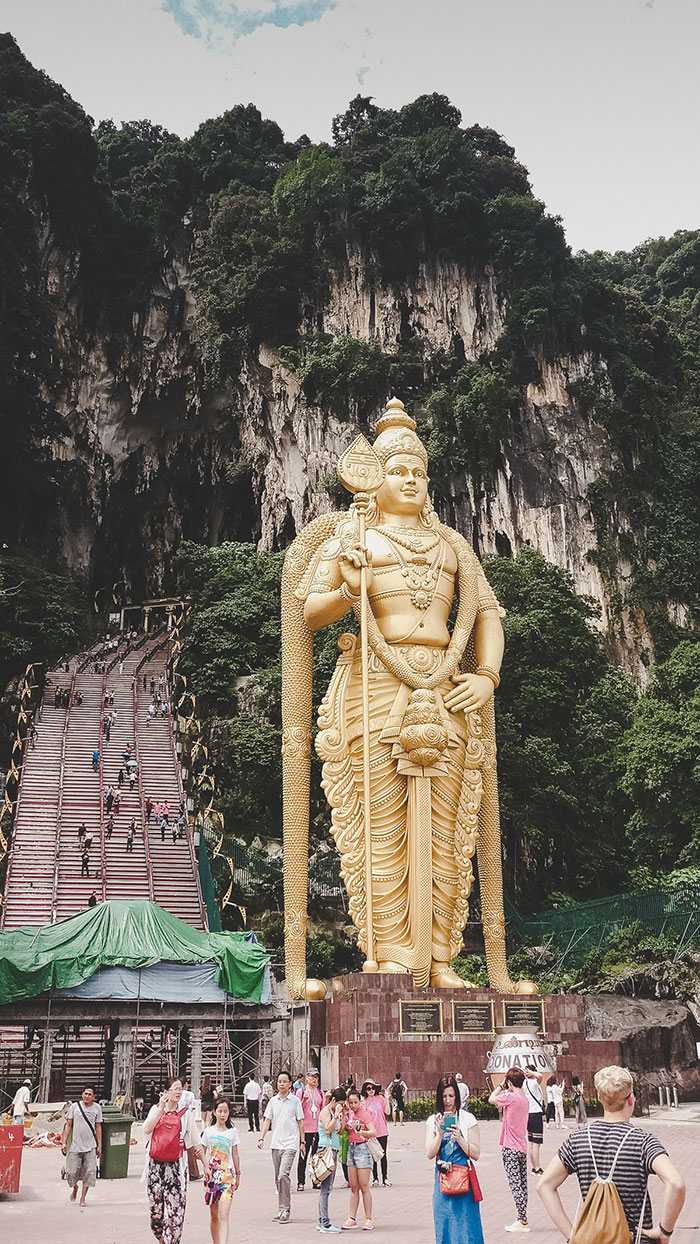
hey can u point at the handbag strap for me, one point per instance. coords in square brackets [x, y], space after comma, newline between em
[80, 1108]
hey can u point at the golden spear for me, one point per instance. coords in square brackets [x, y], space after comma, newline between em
[360, 470]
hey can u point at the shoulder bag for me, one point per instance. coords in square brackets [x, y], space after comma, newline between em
[321, 1164]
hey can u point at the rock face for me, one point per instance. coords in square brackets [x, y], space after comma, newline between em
[155, 455]
[658, 1039]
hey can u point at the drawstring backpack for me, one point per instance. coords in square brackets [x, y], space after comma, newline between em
[602, 1219]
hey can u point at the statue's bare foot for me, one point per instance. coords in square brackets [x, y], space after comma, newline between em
[442, 977]
[386, 965]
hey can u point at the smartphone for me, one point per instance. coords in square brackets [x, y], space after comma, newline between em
[449, 1121]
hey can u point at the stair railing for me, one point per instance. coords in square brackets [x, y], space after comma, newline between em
[59, 808]
[142, 798]
[103, 851]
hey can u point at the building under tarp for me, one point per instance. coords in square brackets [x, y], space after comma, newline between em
[126, 949]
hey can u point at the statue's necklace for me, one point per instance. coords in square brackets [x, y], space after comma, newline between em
[421, 576]
[415, 543]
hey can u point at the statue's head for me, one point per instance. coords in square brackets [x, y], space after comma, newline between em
[405, 461]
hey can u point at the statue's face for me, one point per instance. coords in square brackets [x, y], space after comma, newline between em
[405, 487]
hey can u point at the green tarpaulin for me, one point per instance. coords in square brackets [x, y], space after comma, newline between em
[128, 934]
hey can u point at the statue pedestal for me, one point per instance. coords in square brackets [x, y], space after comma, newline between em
[374, 1025]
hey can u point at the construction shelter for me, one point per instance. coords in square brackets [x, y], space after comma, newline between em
[124, 994]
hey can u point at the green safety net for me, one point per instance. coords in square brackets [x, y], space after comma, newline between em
[131, 934]
[206, 882]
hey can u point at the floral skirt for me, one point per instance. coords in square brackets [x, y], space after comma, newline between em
[220, 1188]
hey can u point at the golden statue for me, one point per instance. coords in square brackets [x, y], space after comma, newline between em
[406, 728]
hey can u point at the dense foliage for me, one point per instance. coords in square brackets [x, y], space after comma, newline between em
[589, 771]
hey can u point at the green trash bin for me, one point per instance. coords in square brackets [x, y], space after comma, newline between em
[116, 1143]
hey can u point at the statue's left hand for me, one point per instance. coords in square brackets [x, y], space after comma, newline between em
[472, 691]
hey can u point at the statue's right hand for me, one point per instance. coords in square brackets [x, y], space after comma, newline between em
[350, 564]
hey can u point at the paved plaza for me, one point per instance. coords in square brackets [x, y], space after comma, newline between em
[117, 1211]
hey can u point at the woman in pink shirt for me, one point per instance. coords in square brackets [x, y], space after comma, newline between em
[375, 1105]
[360, 1127]
[510, 1098]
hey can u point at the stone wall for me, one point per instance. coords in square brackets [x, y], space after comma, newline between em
[361, 1021]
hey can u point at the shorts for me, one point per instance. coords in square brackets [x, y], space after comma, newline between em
[81, 1168]
[359, 1155]
[535, 1128]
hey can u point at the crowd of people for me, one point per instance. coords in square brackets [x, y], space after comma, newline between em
[342, 1128]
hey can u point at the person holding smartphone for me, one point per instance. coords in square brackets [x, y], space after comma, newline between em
[452, 1139]
[511, 1099]
[360, 1127]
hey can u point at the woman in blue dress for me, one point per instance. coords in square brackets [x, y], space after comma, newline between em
[457, 1218]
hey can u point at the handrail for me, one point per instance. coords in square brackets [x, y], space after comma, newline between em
[59, 808]
[103, 849]
[183, 799]
[144, 823]
[8, 843]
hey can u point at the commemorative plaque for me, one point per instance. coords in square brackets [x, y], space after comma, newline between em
[420, 1018]
[524, 1015]
[476, 1017]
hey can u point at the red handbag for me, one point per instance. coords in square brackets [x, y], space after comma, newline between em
[166, 1144]
[459, 1180]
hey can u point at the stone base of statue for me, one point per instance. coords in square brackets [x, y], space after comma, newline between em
[371, 1026]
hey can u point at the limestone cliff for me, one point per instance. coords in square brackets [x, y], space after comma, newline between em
[157, 454]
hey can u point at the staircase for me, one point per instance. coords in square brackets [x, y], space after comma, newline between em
[59, 790]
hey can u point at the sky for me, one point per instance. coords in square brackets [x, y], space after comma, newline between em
[598, 97]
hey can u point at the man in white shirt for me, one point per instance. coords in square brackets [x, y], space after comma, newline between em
[251, 1094]
[84, 1125]
[20, 1102]
[463, 1091]
[286, 1118]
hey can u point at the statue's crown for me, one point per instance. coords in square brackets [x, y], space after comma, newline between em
[396, 433]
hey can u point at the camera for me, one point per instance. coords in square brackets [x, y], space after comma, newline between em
[444, 1167]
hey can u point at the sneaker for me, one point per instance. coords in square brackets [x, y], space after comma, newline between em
[284, 1216]
[375, 1183]
[329, 1230]
[300, 1187]
[350, 1224]
[387, 1183]
[518, 1226]
[277, 1216]
[369, 1225]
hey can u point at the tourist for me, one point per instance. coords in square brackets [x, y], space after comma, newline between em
[144, 682]
[452, 1137]
[151, 713]
[206, 1100]
[311, 1099]
[130, 835]
[88, 840]
[267, 1092]
[463, 1091]
[132, 779]
[109, 828]
[109, 799]
[360, 1129]
[579, 1101]
[555, 1098]
[85, 1118]
[251, 1095]
[149, 808]
[82, 830]
[20, 1101]
[117, 803]
[376, 1105]
[298, 1083]
[174, 834]
[612, 1148]
[138, 1108]
[222, 1170]
[285, 1116]
[396, 1094]
[120, 778]
[152, 686]
[535, 1123]
[32, 736]
[170, 1131]
[96, 759]
[92, 901]
[510, 1098]
[163, 827]
[85, 863]
[331, 1122]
